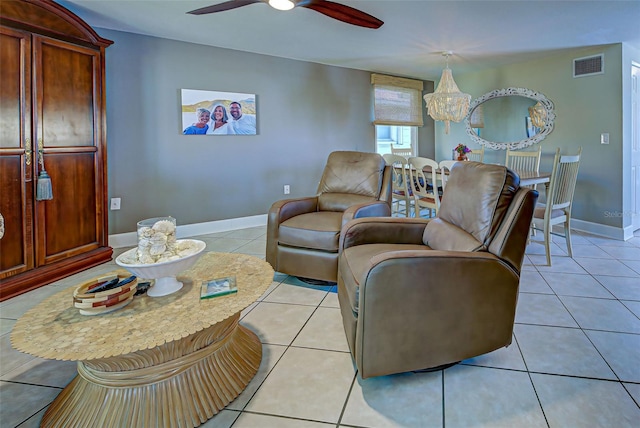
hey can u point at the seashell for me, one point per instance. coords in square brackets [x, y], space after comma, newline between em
[158, 243]
[129, 259]
[184, 246]
[157, 249]
[186, 252]
[167, 258]
[164, 226]
[158, 239]
[146, 232]
[166, 254]
[144, 243]
[146, 259]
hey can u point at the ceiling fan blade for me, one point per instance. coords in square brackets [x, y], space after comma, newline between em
[221, 7]
[342, 13]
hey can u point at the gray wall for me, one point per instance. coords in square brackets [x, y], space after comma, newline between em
[305, 111]
[585, 107]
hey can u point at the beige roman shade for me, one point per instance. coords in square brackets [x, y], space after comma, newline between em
[397, 100]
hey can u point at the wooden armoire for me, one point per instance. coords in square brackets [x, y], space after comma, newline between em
[52, 114]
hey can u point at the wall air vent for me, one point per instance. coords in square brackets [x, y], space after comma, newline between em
[588, 66]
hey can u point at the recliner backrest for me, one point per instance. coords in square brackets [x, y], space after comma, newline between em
[477, 198]
[350, 178]
[510, 241]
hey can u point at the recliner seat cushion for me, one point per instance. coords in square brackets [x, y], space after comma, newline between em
[357, 261]
[341, 201]
[317, 230]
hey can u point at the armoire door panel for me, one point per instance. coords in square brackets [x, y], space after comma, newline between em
[70, 218]
[65, 93]
[16, 154]
[16, 246]
[15, 51]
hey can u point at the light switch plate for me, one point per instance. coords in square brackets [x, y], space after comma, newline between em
[604, 138]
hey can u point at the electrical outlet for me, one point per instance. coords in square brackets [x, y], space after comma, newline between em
[604, 138]
[115, 204]
[287, 189]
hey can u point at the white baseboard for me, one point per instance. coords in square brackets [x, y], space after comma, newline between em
[602, 230]
[130, 239]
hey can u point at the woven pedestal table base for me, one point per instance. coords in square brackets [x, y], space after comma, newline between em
[175, 385]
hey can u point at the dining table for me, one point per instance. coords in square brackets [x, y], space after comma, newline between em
[530, 178]
[527, 178]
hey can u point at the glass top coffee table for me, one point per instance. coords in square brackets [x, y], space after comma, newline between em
[175, 360]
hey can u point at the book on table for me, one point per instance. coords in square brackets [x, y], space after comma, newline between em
[218, 287]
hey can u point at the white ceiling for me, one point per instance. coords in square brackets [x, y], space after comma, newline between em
[482, 34]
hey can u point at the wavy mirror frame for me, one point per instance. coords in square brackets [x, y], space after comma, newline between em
[510, 92]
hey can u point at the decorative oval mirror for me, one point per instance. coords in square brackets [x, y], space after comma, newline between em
[511, 118]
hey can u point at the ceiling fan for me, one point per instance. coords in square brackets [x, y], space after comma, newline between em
[331, 9]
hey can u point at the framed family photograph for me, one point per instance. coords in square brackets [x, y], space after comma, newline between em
[218, 113]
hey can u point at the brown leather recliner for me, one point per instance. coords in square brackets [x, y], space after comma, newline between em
[423, 293]
[303, 234]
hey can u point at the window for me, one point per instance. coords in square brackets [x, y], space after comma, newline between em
[398, 112]
[399, 136]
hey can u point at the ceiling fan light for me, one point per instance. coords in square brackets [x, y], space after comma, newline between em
[281, 4]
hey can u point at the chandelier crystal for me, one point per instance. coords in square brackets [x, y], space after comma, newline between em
[447, 103]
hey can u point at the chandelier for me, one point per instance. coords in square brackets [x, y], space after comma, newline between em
[447, 103]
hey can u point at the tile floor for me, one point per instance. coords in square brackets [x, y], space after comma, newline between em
[574, 361]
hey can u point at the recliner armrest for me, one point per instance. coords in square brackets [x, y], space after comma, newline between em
[283, 210]
[286, 208]
[367, 209]
[375, 230]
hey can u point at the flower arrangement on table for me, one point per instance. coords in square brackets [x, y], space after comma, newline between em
[462, 151]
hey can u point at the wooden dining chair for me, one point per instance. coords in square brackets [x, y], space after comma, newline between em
[476, 155]
[424, 184]
[445, 168]
[559, 199]
[407, 152]
[524, 161]
[400, 191]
